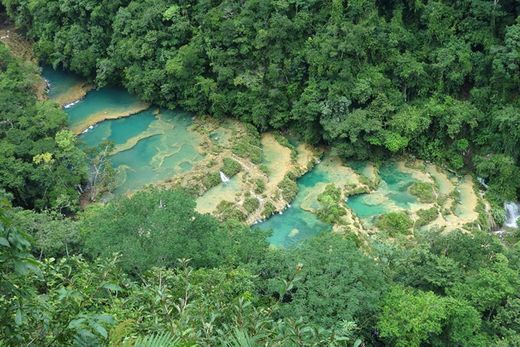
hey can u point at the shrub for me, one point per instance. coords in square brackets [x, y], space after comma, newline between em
[211, 180]
[269, 209]
[332, 209]
[260, 186]
[423, 191]
[395, 223]
[426, 216]
[227, 210]
[231, 167]
[251, 204]
[264, 169]
[289, 188]
[249, 145]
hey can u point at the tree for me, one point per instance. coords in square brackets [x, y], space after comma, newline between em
[503, 175]
[409, 318]
[53, 234]
[155, 228]
[39, 161]
[331, 203]
[102, 175]
[326, 281]
[488, 288]
[395, 223]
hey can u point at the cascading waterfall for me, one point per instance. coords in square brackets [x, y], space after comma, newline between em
[224, 178]
[512, 214]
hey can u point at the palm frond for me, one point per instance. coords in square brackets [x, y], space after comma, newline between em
[158, 340]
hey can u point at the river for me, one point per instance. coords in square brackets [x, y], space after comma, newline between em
[152, 145]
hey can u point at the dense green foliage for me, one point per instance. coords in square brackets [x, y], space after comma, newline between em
[426, 216]
[331, 202]
[326, 281]
[53, 235]
[438, 78]
[156, 228]
[395, 223]
[40, 164]
[454, 289]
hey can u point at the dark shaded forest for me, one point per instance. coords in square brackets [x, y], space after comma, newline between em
[371, 79]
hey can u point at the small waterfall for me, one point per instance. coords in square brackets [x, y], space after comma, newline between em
[88, 129]
[482, 182]
[224, 178]
[69, 105]
[512, 214]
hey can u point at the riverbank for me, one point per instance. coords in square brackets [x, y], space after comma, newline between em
[20, 47]
[108, 114]
[236, 172]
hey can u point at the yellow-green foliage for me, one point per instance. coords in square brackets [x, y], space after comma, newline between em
[288, 187]
[231, 167]
[395, 223]
[425, 192]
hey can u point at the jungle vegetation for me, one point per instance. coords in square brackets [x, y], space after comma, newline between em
[437, 79]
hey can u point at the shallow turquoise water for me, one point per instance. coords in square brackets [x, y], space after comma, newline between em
[398, 183]
[154, 158]
[118, 131]
[357, 165]
[169, 148]
[393, 189]
[152, 147]
[59, 81]
[296, 218]
[363, 209]
[98, 101]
